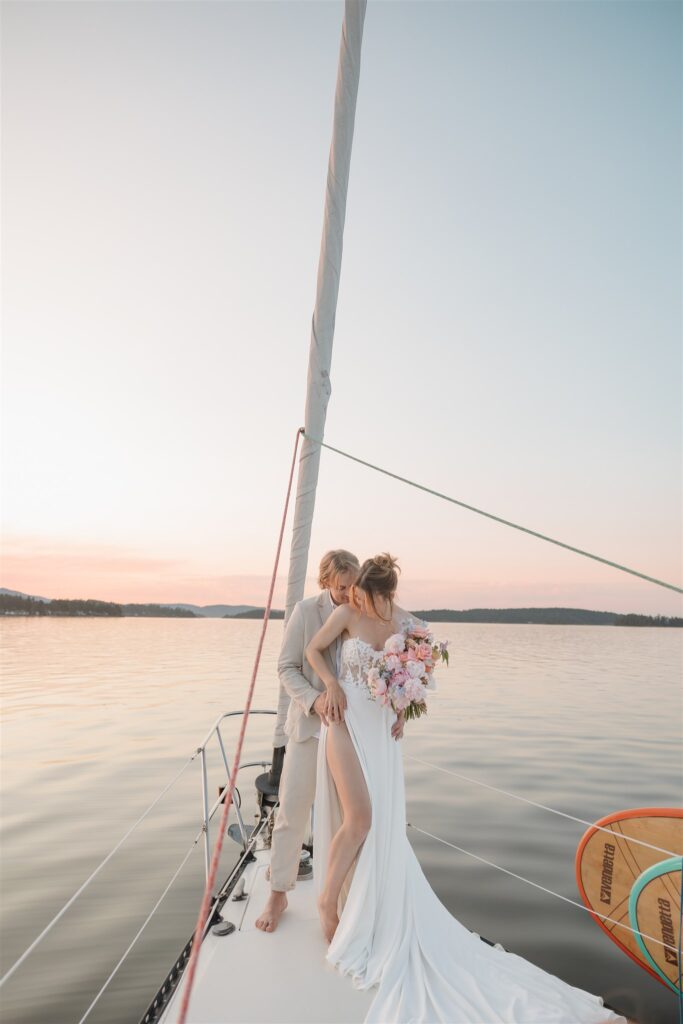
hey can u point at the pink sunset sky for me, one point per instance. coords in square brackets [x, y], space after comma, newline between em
[509, 321]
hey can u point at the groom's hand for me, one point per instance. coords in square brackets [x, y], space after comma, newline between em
[320, 707]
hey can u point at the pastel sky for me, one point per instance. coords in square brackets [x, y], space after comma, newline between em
[509, 321]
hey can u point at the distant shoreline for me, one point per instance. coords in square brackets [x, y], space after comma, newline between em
[13, 603]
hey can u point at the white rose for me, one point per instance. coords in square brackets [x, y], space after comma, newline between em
[395, 644]
[415, 669]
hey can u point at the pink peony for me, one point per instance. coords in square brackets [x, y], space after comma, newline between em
[401, 700]
[415, 691]
[415, 669]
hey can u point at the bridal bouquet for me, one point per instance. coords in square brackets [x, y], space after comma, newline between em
[404, 670]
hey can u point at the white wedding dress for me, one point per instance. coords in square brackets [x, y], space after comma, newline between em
[393, 931]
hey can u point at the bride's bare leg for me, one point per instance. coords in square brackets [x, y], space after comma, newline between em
[357, 816]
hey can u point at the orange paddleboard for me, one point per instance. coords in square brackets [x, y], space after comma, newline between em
[608, 863]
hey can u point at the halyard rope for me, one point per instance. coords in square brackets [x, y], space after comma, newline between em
[489, 515]
[204, 909]
[542, 807]
[148, 919]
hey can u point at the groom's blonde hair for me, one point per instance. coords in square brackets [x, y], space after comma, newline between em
[333, 563]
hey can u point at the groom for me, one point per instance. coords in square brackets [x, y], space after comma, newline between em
[338, 572]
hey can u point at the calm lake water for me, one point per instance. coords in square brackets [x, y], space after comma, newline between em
[99, 714]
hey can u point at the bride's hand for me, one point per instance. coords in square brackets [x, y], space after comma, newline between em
[336, 703]
[397, 727]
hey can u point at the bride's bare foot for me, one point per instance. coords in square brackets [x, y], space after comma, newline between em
[328, 917]
[272, 912]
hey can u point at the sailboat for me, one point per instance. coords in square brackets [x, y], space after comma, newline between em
[272, 980]
[234, 974]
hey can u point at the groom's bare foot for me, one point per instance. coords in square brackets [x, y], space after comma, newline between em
[329, 918]
[272, 912]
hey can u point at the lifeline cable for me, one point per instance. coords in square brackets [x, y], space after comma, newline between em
[203, 911]
[533, 803]
[536, 885]
[50, 925]
[490, 515]
[140, 930]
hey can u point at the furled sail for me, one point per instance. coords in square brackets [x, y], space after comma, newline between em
[322, 330]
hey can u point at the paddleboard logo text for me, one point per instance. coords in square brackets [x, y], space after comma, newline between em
[607, 872]
[667, 924]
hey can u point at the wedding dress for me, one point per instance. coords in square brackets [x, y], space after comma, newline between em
[393, 931]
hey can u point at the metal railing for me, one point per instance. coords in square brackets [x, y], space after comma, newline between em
[208, 812]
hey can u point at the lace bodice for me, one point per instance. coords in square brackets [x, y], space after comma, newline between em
[357, 657]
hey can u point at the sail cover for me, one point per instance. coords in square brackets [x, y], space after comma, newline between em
[322, 329]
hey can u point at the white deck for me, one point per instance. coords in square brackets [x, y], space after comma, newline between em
[252, 976]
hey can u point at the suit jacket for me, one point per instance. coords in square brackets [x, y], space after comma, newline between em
[296, 675]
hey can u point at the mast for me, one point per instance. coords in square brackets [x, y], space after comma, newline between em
[322, 329]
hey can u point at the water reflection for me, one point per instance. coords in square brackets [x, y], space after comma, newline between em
[99, 714]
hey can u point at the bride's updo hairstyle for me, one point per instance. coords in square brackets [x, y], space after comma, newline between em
[378, 578]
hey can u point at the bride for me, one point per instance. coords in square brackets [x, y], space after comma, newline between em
[383, 921]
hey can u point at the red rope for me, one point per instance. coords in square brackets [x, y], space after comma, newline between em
[213, 869]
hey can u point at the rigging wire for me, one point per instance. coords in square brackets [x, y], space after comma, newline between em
[490, 515]
[149, 918]
[542, 807]
[48, 927]
[141, 929]
[213, 869]
[537, 885]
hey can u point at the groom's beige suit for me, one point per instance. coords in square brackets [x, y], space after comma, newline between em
[297, 784]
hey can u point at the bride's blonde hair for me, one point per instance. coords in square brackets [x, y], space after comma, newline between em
[378, 577]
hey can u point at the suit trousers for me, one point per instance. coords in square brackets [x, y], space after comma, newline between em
[297, 793]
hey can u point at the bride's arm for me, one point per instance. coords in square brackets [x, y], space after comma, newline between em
[335, 625]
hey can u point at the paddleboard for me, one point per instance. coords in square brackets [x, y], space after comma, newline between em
[654, 909]
[608, 865]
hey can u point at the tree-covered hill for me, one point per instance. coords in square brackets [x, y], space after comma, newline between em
[11, 604]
